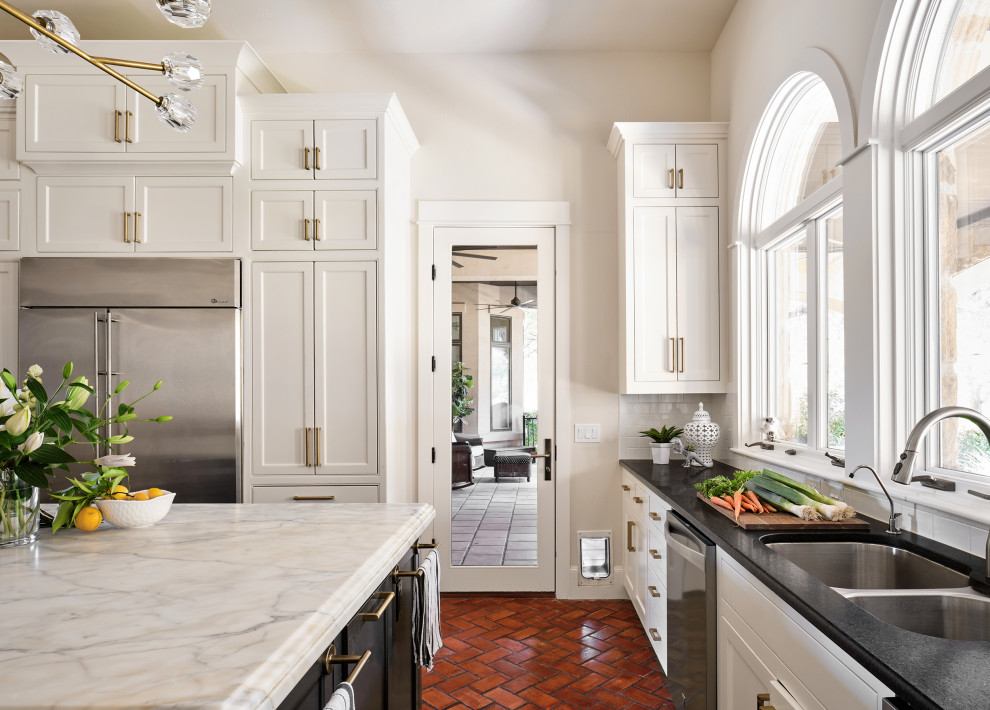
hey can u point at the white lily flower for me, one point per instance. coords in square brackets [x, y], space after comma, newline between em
[35, 371]
[115, 460]
[19, 421]
[32, 442]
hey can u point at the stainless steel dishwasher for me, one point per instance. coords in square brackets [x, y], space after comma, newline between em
[691, 601]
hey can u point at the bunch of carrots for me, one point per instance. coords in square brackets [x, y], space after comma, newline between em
[743, 500]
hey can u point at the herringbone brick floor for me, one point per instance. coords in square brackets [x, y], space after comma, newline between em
[541, 653]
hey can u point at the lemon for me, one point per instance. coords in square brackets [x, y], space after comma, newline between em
[155, 492]
[120, 496]
[88, 519]
[119, 489]
[141, 496]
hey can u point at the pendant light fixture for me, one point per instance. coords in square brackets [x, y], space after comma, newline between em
[56, 33]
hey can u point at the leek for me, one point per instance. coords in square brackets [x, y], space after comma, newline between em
[805, 512]
[846, 509]
[829, 512]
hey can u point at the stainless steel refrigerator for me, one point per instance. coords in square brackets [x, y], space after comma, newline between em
[144, 320]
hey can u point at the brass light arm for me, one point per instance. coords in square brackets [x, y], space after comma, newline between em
[150, 66]
[38, 27]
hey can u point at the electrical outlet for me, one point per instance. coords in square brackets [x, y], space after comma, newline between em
[587, 433]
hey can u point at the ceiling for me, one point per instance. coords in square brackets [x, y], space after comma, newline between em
[326, 26]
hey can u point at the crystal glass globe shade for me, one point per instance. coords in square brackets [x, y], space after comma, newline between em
[58, 24]
[11, 82]
[185, 13]
[183, 71]
[177, 112]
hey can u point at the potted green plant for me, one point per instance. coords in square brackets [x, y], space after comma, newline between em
[660, 448]
[460, 393]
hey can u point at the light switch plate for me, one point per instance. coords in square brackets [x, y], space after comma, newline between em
[587, 433]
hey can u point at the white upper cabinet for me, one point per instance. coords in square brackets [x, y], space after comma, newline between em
[304, 220]
[124, 214]
[149, 135]
[671, 236]
[682, 170]
[329, 149]
[346, 219]
[74, 114]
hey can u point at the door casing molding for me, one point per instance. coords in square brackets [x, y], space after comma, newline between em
[499, 213]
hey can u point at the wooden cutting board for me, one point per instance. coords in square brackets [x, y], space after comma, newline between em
[786, 521]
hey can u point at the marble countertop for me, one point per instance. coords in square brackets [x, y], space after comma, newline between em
[216, 606]
[927, 672]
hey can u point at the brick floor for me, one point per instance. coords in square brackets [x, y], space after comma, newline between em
[542, 654]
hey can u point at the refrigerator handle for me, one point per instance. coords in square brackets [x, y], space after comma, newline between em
[96, 365]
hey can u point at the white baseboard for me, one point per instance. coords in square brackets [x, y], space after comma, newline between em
[614, 590]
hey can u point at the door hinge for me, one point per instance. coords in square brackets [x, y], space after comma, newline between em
[433, 272]
[433, 455]
[433, 365]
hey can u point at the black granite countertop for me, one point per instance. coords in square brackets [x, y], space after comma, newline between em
[927, 672]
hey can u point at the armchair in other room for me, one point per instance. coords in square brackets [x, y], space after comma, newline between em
[461, 471]
[477, 445]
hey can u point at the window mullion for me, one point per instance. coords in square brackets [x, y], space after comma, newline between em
[814, 286]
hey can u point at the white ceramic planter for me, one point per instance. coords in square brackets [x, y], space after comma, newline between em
[661, 453]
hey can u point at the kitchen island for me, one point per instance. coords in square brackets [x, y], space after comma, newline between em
[216, 606]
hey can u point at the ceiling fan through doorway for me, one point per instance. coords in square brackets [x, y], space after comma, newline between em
[514, 303]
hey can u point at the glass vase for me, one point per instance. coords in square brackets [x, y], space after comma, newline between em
[19, 510]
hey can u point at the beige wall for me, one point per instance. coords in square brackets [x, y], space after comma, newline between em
[534, 127]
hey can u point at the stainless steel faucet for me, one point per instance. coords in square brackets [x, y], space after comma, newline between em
[892, 526]
[905, 467]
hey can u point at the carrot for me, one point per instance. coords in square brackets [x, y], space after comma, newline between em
[755, 500]
[747, 504]
[770, 508]
[737, 502]
[728, 499]
[719, 502]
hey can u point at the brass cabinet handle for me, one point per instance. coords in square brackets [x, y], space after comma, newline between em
[331, 659]
[654, 592]
[625, 487]
[306, 159]
[317, 165]
[682, 354]
[137, 217]
[680, 179]
[318, 447]
[313, 497]
[127, 127]
[316, 226]
[426, 545]
[655, 635]
[116, 126]
[399, 573]
[376, 615]
[127, 219]
[629, 527]
[673, 348]
[306, 228]
[671, 183]
[655, 554]
[761, 702]
[655, 516]
[308, 462]
[637, 499]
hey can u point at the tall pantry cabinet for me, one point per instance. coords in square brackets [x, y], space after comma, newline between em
[331, 383]
[672, 226]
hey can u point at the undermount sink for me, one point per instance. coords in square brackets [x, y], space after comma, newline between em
[868, 565]
[960, 616]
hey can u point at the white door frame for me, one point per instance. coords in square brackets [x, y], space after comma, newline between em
[433, 214]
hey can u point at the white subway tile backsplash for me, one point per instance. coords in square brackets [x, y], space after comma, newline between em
[951, 532]
[977, 540]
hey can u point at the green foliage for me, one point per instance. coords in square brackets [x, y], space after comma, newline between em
[82, 493]
[664, 436]
[460, 393]
[723, 486]
[529, 428]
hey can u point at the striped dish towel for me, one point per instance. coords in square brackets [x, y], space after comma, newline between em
[426, 612]
[342, 698]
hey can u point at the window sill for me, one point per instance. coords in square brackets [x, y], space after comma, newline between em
[802, 461]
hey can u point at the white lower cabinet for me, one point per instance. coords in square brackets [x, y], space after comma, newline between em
[314, 495]
[125, 214]
[634, 558]
[785, 662]
[315, 368]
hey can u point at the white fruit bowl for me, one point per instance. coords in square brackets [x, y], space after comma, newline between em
[135, 513]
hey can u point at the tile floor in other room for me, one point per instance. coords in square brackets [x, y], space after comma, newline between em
[542, 654]
[494, 522]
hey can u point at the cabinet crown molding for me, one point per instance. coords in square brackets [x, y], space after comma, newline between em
[663, 131]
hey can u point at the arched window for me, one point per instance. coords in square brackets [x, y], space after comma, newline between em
[956, 48]
[795, 223]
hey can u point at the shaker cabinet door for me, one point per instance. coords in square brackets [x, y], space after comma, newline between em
[282, 150]
[346, 219]
[85, 214]
[282, 220]
[346, 305]
[697, 170]
[654, 171]
[73, 114]
[697, 293]
[742, 676]
[184, 214]
[282, 368]
[207, 135]
[654, 294]
[347, 149]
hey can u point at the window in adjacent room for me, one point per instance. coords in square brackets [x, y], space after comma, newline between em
[501, 382]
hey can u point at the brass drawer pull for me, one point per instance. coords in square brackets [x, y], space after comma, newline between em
[317, 166]
[625, 487]
[655, 635]
[127, 219]
[306, 228]
[671, 183]
[318, 447]
[654, 592]
[656, 516]
[629, 527]
[376, 615]
[761, 702]
[680, 178]
[316, 229]
[682, 354]
[306, 159]
[127, 127]
[116, 126]
[673, 342]
[331, 659]
[313, 497]
[655, 554]
[426, 545]
[637, 499]
[137, 227]
[399, 573]
[308, 462]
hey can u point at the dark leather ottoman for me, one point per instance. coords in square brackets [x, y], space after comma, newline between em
[512, 463]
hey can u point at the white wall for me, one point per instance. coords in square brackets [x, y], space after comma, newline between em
[534, 127]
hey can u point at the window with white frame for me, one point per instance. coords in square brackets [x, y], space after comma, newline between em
[800, 260]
